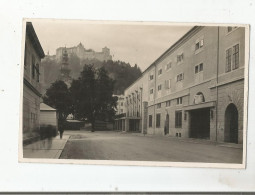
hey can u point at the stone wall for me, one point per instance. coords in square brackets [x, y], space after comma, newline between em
[227, 94]
[31, 111]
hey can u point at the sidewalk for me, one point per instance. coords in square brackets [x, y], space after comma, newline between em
[49, 148]
[190, 140]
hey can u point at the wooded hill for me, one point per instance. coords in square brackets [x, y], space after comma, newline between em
[123, 73]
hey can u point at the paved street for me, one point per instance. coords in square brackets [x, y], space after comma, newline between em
[136, 147]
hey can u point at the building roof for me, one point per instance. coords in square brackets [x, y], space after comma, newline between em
[30, 31]
[44, 106]
[169, 50]
[174, 46]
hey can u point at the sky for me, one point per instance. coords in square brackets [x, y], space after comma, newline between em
[132, 42]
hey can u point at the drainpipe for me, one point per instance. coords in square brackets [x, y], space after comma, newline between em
[217, 80]
[141, 109]
[154, 99]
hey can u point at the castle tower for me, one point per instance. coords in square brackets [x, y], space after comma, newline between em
[106, 51]
[80, 51]
[64, 69]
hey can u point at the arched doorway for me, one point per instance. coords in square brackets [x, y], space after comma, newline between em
[231, 124]
[167, 124]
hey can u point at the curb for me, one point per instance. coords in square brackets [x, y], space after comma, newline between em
[59, 154]
[188, 140]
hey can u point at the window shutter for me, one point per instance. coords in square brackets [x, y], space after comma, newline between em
[202, 43]
[166, 84]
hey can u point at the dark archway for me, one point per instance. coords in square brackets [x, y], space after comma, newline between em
[167, 124]
[200, 123]
[231, 124]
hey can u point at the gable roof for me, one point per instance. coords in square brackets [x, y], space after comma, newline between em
[30, 31]
[44, 106]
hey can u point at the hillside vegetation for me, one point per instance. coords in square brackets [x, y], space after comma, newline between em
[121, 72]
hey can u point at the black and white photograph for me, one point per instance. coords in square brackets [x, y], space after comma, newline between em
[134, 93]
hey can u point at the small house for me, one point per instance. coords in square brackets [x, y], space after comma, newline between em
[48, 118]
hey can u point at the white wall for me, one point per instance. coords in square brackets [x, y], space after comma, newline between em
[48, 118]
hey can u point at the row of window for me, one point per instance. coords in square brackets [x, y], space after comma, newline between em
[232, 63]
[178, 120]
[232, 59]
[35, 66]
[179, 78]
[131, 99]
[179, 58]
[168, 103]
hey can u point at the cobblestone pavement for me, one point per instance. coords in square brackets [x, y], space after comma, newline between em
[136, 147]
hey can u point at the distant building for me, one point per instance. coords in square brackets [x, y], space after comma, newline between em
[120, 113]
[49, 57]
[65, 69]
[32, 82]
[120, 104]
[83, 53]
[195, 89]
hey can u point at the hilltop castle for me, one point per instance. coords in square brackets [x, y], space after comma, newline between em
[83, 53]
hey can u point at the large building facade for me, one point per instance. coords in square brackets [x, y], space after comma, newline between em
[83, 53]
[32, 82]
[193, 90]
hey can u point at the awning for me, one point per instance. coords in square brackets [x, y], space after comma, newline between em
[131, 117]
[199, 106]
[119, 118]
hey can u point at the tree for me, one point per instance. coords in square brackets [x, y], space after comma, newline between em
[83, 95]
[123, 74]
[105, 102]
[58, 97]
[92, 95]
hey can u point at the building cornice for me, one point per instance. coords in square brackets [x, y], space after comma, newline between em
[177, 44]
[30, 31]
[30, 86]
[227, 82]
